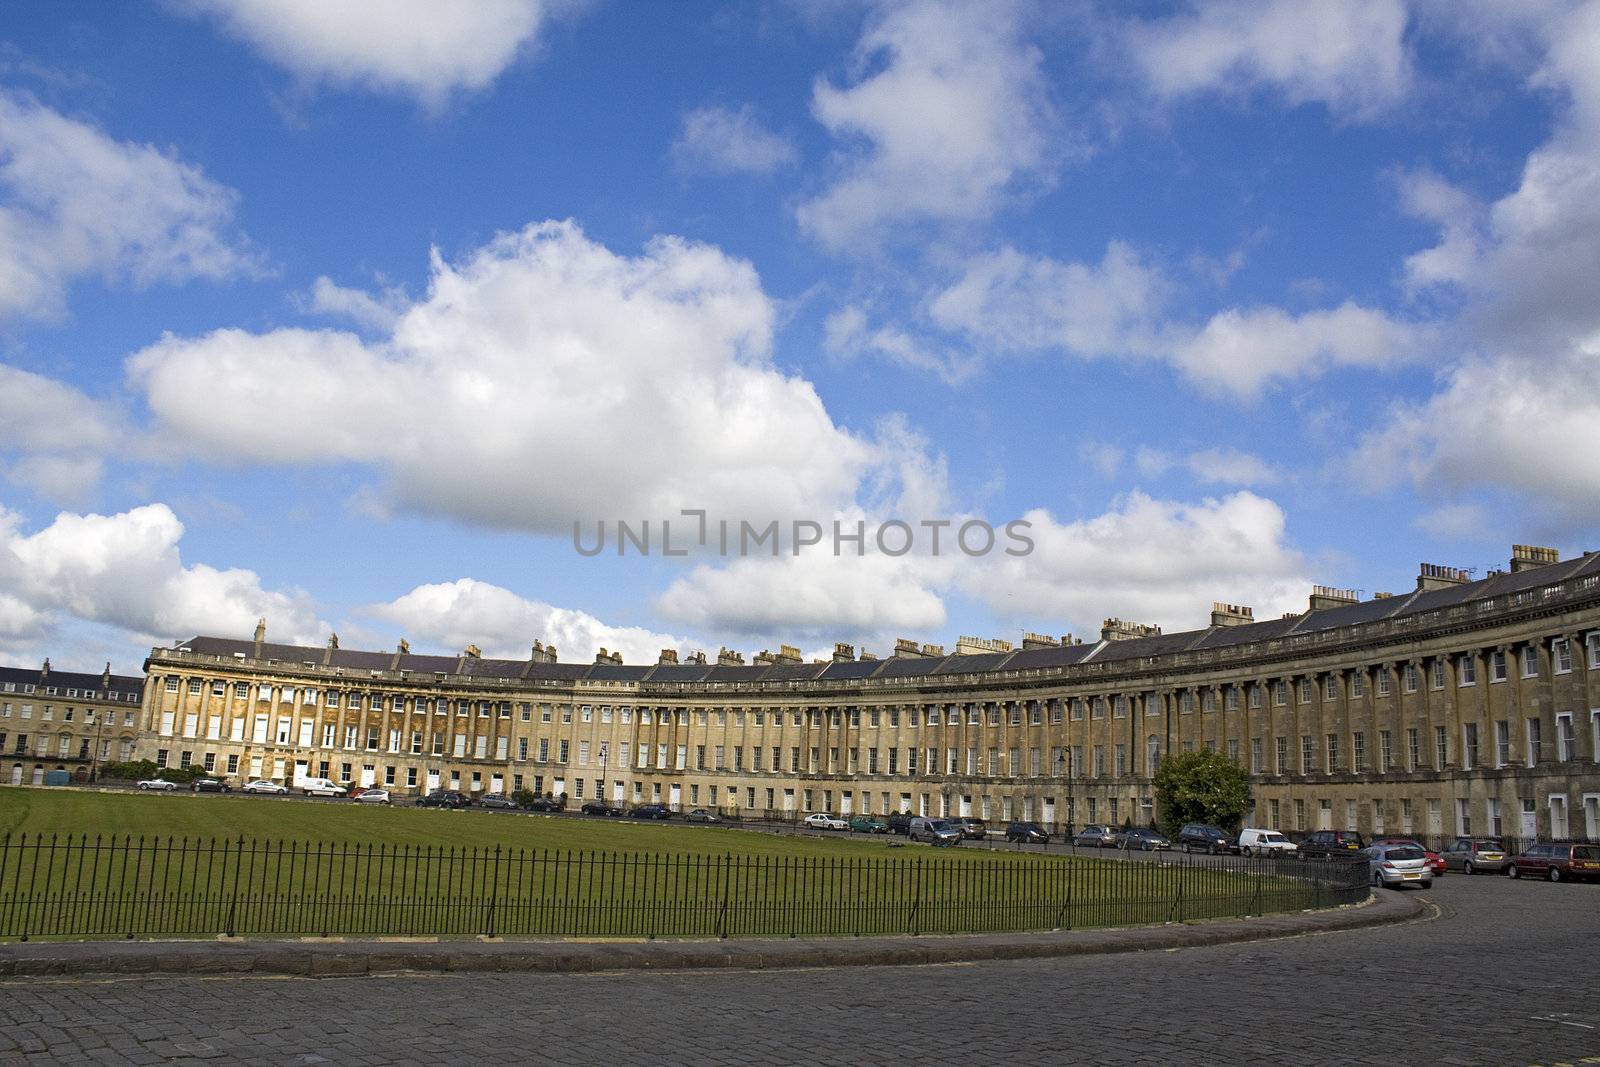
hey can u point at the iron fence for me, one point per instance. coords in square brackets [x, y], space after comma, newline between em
[129, 887]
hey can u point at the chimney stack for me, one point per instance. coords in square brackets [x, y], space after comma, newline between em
[668, 655]
[1431, 576]
[1231, 614]
[1527, 557]
[1326, 596]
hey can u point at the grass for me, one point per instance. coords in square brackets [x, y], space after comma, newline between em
[162, 865]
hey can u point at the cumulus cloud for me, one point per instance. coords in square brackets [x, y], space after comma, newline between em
[1210, 466]
[724, 141]
[1347, 54]
[505, 625]
[1505, 423]
[377, 313]
[1011, 301]
[75, 203]
[418, 47]
[52, 436]
[953, 116]
[1151, 561]
[544, 380]
[125, 571]
[1007, 302]
[848, 332]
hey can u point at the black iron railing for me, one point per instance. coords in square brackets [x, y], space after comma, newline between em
[126, 887]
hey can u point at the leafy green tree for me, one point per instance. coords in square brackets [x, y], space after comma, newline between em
[1202, 786]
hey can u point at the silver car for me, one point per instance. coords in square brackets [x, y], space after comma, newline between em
[1398, 865]
[1473, 854]
[935, 831]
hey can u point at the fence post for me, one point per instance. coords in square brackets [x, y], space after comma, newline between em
[916, 905]
[494, 895]
[722, 915]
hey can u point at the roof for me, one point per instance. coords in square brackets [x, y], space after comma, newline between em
[89, 685]
[909, 667]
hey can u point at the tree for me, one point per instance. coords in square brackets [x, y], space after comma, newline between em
[1203, 786]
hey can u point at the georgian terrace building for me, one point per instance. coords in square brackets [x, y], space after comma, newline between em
[63, 721]
[1460, 706]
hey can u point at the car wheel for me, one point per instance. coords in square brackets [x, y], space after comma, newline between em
[1466, 868]
[1185, 848]
[1512, 872]
[1554, 874]
[1375, 879]
[1245, 852]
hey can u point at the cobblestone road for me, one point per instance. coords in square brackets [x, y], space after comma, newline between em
[1505, 975]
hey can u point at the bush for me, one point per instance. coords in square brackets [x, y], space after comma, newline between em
[138, 770]
[1203, 786]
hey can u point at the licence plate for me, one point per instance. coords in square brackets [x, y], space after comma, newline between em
[1587, 866]
[1490, 856]
[1411, 876]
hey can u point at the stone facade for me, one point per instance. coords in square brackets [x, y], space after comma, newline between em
[63, 721]
[1462, 706]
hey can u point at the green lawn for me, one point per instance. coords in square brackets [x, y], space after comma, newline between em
[88, 864]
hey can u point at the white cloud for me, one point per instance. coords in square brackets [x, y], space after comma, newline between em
[377, 313]
[724, 141]
[1347, 54]
[455, 614]
[125, 571]
[953, 115]
[74, 203]
[1150, 561]
[1008, 302]
[54, 434]
[1506, 423]
[1210, 466]
[420, 47]
[544, 380]
[813, 596]
[1457, 257]
[848, 332]
[1456, 522]
[1243, 351]
[1011, 301]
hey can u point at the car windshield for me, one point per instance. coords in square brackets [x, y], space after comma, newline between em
[1403, 852]
[1586, 852]
[1487, 846]
[1273, 837]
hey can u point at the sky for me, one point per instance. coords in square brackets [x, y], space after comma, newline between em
[365, 318]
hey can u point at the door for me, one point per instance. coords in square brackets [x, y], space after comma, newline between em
[616, 792]
[433, 781]
[300, 772]
[675, 793]
[1591, 816]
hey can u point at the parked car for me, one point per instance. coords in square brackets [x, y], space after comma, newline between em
[600, 807]
[1558, 861]
[444, 798]
[1096, 837]
[374, 796]
[1435, 861]
[1469, 855]
[821, 820]
[497, 802]
[1330, 844]
[261, 785]
[1397, 865]
[1254, 841]
[1204, 837]
[934, 831]
[900, 823]
[1143, 839]
[868, 824]
[157, 785]
[1026, 833]
[702, 815]
[651, 811]
[210, 785]
[551, 804]
[971, 829]
[322, 787]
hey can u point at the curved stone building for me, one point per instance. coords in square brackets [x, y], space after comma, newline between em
[1459, 706]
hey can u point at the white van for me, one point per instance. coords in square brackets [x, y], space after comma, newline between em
[321, 787]
[1254, 841]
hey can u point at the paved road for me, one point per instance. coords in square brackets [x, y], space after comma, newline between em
[1505, 974]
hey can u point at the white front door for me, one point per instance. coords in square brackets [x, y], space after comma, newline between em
[299, 772]
[616, 792]
[675, 794]
[846, 803]
[368, 776]
[433, 781]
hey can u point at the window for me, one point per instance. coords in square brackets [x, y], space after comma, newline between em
[1441, 744]
[1333, 753]
[1593, 643]
[1280, 695]
[1230, 699]
[1502, 743]
[1099, 761]
[1413, 749]
[1535, 739]
[1565, 741]
[1530, 661]
[1358, 684]
[1358, 752]
[1255, 755]
[562, 750]
[1466, 670]
[1469, 746]
[1308, 755]
[1411, 677]
[1463, 816]
[1120, 760]
[1438, 674]
[1255, 696]
[1385, 751]
[1330, 690]
[1282, 755]
[1497, 666]
[1152, 754]
[1561, 655]
[1305, 690]
[1383, 681]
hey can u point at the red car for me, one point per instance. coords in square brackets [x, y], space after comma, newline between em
[1435, 861]
[1559, 861]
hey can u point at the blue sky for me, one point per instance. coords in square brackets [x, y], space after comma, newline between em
[343, 314]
